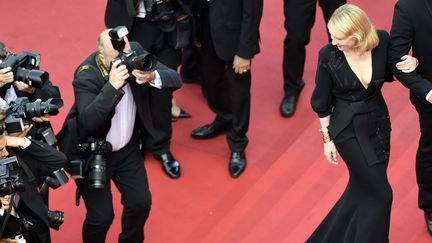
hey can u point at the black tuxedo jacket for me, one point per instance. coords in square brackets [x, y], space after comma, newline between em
[96, 99]
[235, 27]
[412, 28]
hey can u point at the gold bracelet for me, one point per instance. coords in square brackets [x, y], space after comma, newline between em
[325, 136]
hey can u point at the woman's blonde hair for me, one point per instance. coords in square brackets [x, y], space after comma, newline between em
[349, 20]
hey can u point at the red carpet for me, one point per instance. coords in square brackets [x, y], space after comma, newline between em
[288, 186]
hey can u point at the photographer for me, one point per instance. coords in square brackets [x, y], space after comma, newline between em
[36, 159]
[162, 28]
[112, 105]
[43, 91]
[39, 88]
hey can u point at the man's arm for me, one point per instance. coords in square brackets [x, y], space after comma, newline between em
[95, 102]
[170, 79]
[41, 158]
[401, 41]
[249, 34]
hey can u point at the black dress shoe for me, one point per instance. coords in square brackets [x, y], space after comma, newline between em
[210, 130]
[288, 105]
[428, 219]
[170, 165]
[237, 164]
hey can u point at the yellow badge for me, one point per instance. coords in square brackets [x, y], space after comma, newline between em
[82, 68]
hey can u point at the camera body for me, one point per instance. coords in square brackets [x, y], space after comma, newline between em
[10, 177]
[162, 13]
[21, 111]
[95, 166]
[25, 68]
[143, 62]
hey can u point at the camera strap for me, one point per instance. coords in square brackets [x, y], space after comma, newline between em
[102, 68]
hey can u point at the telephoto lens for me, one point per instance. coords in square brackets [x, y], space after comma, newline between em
[97, 176]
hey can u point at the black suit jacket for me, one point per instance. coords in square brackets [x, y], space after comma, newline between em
[96, 99]
[412, 28]
[42, 159]
[235, 27]
[117, 13]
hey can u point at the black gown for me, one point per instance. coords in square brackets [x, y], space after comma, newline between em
[360, 127]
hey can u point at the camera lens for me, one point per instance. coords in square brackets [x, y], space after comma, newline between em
[97, 176]
[55, 219]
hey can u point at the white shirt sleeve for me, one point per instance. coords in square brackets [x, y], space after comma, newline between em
[157, 82]
[428, 95]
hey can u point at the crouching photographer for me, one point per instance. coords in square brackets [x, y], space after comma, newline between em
[30, 160]
[111, 108]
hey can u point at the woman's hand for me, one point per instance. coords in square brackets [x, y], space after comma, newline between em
[330, 152]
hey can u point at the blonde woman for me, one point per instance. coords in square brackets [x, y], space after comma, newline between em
[355, 123]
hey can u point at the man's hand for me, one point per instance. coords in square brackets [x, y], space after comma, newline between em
[6, 76]
[118, 74]
[43, 118]
[23, 87]
[5, 204]
[16, 139]
[143, 77]
[407, 64]
[241, 65]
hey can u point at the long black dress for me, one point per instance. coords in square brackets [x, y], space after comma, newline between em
[360, 127]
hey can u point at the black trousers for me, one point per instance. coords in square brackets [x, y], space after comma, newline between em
[191, 70]
[153, 40]
[424, 162]
[299, 19]
[228, 93]
[125, 168]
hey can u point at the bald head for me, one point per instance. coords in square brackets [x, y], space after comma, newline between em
[105, 46]
[106, 49]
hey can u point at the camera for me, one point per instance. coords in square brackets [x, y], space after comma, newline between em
[143, 62]
[21, 111]
[10, 177]
[162, 13]
[55, 219]
[25, 68]
[96, 164]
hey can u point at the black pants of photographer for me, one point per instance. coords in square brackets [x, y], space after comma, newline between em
[153, 40]
[299, 19]
[39, 232]
[125, 168]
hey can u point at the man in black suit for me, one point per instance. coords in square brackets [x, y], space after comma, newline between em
[299, 19]
[113, 105]
[229, 37]
[411, 29]
[156, 37]
[37, 159]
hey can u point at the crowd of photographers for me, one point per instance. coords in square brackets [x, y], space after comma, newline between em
[29, 160]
